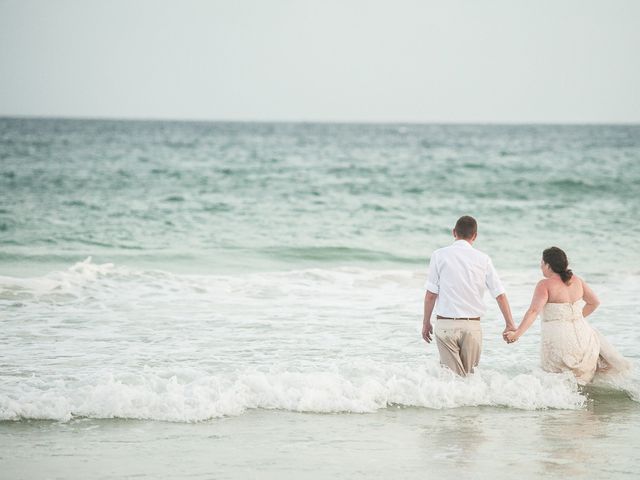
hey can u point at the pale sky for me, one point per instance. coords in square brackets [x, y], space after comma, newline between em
[326, 60]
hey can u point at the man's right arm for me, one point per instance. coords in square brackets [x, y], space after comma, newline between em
[432, 287]
[429, 302]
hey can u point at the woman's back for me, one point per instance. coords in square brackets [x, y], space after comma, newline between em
[568, 342]
[560, 292]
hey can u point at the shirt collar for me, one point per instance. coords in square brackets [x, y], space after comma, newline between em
[462, 243]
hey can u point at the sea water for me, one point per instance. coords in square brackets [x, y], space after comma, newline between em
[237, 300]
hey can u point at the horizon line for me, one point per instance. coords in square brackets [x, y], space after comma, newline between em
[316, 121]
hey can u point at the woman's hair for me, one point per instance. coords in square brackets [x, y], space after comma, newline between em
[557, 260]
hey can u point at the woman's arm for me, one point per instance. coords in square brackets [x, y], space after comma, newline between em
[590, 298]
[540, 297]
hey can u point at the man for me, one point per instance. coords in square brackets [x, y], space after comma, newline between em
[458, 275]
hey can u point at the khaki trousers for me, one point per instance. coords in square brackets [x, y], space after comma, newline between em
[459, 343]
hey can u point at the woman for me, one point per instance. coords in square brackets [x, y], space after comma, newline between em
[569, 343]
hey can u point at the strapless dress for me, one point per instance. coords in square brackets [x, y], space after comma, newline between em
[569, 343]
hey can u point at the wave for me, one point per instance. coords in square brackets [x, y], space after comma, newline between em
[338, 253]
[102, 279]
[192, 396]
[280, 256]
[303, 378]
[59, 282]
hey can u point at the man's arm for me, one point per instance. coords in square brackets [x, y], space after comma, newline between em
[503, 303]
[494, 285]
[429, 303]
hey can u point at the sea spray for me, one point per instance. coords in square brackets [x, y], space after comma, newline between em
[198, 396]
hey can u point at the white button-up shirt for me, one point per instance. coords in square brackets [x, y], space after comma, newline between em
[459, 275]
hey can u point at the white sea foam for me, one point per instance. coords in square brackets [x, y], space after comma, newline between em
[65, 282]
[109, 341]
[196, 396]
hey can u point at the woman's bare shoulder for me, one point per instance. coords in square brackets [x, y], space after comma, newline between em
[543, 284]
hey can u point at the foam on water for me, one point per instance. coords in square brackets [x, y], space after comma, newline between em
[197, 396]
[66, 281]
[105, 341]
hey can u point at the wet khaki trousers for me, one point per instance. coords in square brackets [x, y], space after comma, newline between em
[459, 343]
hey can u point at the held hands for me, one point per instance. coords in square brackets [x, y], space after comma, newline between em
[510, 335]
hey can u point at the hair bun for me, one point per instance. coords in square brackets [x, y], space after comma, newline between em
[566, 275]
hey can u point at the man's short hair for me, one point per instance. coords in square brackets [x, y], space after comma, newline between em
[466, 227]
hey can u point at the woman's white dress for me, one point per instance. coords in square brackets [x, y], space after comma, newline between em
[570, 343]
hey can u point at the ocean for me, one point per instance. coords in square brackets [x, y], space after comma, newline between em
[244, 300]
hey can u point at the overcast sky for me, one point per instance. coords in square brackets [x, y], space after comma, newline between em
[326, 60]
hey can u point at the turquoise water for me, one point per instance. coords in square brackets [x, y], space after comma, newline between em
[247, 298]
[226, 196]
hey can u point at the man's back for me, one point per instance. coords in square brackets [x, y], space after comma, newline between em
[459, 275]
